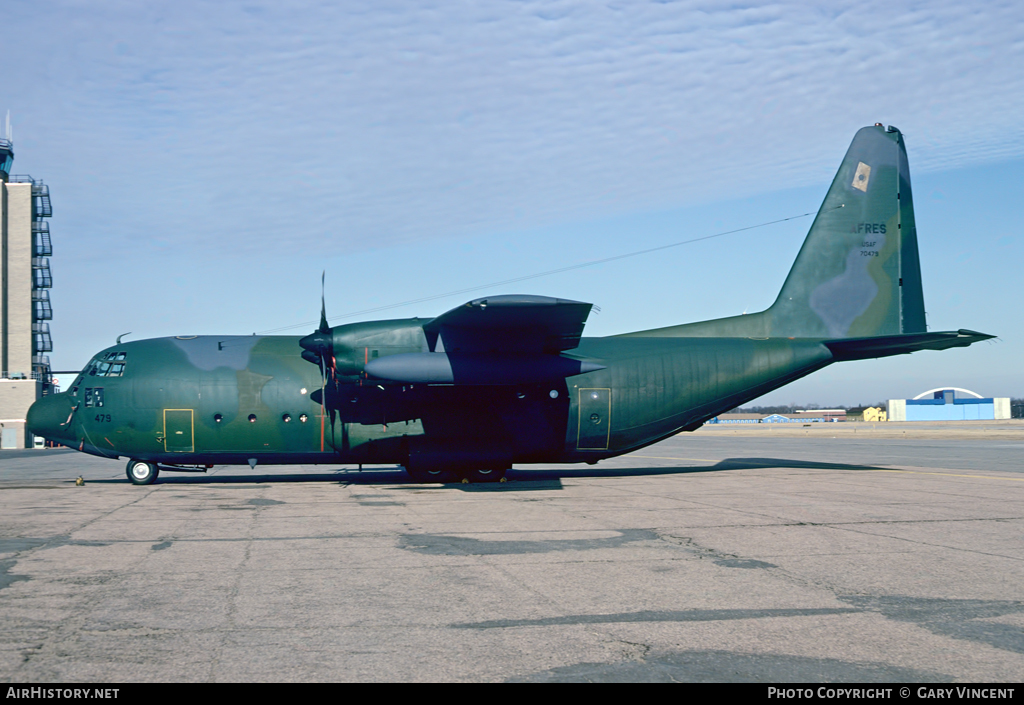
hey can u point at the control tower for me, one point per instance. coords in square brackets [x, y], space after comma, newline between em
[25, 310]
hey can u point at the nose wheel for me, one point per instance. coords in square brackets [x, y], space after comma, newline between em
[142, 473]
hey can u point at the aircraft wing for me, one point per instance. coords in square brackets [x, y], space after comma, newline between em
[509, 324]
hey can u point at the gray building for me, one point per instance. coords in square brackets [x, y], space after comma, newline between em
[25, 310]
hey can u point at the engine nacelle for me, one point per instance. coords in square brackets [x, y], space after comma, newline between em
[476, 369]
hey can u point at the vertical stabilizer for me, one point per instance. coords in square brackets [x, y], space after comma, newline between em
[858, 273]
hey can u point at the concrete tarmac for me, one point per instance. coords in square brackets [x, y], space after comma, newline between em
[713, 556]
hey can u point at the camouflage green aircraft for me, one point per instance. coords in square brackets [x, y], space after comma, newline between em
[509, 380]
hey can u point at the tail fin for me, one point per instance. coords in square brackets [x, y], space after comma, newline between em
[858, 272]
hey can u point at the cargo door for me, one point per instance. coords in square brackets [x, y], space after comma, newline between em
[595, 419]
[178, 431]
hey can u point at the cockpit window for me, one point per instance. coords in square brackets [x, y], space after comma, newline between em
[112, 364]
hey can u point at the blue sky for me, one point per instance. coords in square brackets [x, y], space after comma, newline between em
[208, 160]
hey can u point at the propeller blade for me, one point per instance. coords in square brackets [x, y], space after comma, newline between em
[318, 345]
[318, 348]
[324, 326]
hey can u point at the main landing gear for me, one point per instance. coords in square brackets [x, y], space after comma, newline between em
[486, 475]
[142, 473]
[434, 475]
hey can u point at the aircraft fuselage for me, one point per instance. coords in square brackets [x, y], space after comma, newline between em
[221, 400]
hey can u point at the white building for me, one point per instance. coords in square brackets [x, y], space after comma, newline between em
[25, 281]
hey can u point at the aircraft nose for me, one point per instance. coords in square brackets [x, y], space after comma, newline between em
[48, 417]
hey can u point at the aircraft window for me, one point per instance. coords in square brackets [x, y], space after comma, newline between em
[107, 368]
[93, 397]
[218, 417]
[252, 418]
[88, 397]
[287, 418]
[303, 418]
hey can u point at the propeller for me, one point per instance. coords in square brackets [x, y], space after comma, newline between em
[318, 348]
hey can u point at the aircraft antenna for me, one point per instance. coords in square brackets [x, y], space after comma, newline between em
[547, 273]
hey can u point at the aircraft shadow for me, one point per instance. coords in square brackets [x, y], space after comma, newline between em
[518, 479]
[720, 466]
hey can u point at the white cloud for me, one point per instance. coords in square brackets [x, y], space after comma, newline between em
[242, 127]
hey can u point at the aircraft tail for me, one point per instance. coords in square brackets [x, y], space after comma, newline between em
[858, 273]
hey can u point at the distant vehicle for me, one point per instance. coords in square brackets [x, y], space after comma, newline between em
[509, 379]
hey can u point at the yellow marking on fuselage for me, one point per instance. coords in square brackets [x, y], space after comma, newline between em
[579, 421]
[192, 423]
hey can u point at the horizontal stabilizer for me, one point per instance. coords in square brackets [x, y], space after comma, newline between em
[886, 345]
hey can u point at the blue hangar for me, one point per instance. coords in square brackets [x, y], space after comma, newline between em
[949, 404]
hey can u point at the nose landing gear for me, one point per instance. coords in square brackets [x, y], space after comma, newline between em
[142, 473]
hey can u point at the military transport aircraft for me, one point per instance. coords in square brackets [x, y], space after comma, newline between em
[509, 380]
